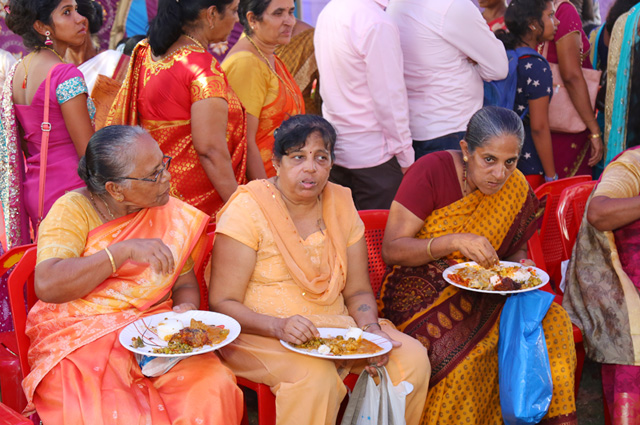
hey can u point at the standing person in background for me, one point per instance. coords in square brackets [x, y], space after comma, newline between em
[448, 51]
[47, 28]
[574, 154]
[493, 13]
[178, 92]
[531, 22]
[263, 83]
[589, 12]
[364, 97]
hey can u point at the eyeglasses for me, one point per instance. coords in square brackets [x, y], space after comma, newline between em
[166, 161]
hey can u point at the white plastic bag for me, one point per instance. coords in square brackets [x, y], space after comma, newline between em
[372, 404]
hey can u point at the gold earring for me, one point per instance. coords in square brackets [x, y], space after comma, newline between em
[120, 198]
[465, 159]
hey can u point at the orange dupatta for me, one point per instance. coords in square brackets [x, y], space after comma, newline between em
[324, 282]
[288, 103]
[56, 330]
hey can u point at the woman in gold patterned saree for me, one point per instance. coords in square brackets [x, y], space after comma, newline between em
[456, 206]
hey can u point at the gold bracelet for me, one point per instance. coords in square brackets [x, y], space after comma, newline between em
[432, 258]
[595, 135]
[113, 263]
[367, 326]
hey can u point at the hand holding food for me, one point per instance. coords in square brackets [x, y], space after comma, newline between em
[477, 248]
[296, 329]
[149, 251]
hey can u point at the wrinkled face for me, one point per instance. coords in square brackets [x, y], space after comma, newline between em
[148, 162]
[303, 173]
[277, 22]
[226, 21]
[550, 23]
[492, 164]
[68, 26]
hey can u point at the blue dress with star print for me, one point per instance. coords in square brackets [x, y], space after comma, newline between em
[534, 81]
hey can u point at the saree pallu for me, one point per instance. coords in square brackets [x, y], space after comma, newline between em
[460, 328]
[288, 103]
[299, 57]
[170, 125]
[57, 331]
[603, 299]
[624, 38]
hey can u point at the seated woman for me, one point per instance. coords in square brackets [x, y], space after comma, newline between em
[290, 257]
[108, 254]
[456, 206]
[603, 283]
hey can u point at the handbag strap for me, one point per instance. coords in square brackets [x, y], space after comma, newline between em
[44, 144]
[357, 396]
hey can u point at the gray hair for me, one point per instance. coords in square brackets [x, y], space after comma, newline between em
[109, 156]
[490, 122]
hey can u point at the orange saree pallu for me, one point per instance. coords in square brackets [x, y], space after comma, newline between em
[288, 103]
[80, 373]
[460, 328]
[158, 96]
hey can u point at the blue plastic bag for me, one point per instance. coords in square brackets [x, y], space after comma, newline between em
[523, 360]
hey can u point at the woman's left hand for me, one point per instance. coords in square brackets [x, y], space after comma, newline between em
[181, 308]
[596, 151]
[383, 359]
[527, 262]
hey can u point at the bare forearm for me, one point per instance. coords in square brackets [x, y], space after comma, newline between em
[414, 252]
[250, 321]
[610, 214]
[362, 307]
[218, 168]
[187, 294]
[255, 166]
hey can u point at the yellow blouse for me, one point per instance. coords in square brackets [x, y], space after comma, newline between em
[63, 233]
[271, 289]
[252, 80]
[621, 178]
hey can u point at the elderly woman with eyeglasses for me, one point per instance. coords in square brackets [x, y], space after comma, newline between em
[110, 253]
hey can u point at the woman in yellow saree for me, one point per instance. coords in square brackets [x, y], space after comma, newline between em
[261, 80]
[456, 206]
[108, 254]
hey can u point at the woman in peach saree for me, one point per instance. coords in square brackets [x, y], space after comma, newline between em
[108, 254]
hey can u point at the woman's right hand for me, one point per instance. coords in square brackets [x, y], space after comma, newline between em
[295, 329]
[477, 248]
[597, 150]
[150, 251]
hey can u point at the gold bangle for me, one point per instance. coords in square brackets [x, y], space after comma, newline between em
[432, 258]
[595, 135]
[113, 263]
[368, 325]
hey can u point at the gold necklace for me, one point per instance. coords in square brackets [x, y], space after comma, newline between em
[286, 86]
[26, 69]
[95, 206]
[194, 40]
[55, 53]
[107, 205]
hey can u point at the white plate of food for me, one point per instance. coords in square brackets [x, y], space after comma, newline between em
[334, 344]
[171, 334]
[505, 278]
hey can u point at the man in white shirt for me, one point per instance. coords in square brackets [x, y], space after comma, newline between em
[364, 96]
[448, 51]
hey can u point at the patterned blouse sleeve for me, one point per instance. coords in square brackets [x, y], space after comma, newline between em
[208, 80]
[70, 83]
[534, 78]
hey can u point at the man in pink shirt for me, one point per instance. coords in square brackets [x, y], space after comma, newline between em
[448, 50]
[365, 98]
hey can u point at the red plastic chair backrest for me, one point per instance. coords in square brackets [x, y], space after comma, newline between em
[549, 229]
[571, 206]
[22, 275]
[375, 222]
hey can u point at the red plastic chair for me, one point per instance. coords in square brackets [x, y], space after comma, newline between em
[375, 222]
[10, 376]
[550, 230]
[571, 206]
[8, 416]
